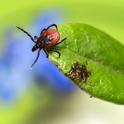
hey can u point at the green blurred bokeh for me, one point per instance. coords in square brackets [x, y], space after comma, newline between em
[106, 15]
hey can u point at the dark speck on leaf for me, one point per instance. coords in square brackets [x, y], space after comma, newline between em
[78, 72]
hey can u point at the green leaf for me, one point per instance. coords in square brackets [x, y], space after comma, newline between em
[102, 55]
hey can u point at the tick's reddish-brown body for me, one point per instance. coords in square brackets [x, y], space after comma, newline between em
[49, 37]
[53, 36]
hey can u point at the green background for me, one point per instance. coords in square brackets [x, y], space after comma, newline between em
[107, 15]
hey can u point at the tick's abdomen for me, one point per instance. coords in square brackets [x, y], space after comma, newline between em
[53, 36]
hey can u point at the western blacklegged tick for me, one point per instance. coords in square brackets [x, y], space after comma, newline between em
[49, 37]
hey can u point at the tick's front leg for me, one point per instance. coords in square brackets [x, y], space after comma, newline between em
[47, 55]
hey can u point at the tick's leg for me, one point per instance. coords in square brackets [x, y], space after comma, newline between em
[53, 25]
[38, 54]
[60, 42]
[54, 50]
[47, 55]
[43, 31]
[57, 52]
[26, 33]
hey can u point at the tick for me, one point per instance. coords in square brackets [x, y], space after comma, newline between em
[79, 72]
[49, 37]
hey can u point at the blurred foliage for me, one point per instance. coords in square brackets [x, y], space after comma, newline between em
[21, 111]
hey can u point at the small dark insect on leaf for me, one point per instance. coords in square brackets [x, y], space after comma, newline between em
[79, 72]
[48, 38]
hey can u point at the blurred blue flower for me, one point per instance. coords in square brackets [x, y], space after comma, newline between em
[15, 72]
